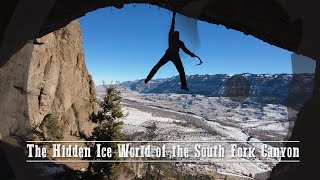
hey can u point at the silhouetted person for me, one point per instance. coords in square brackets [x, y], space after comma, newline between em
[172, 54]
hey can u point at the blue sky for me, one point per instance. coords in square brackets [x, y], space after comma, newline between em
[124, 44]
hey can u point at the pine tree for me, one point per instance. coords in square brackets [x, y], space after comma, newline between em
[108, 129]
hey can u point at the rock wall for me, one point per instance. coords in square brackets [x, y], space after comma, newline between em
[13, 93]
[47, 79]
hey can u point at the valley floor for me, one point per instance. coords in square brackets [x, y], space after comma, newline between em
[182, 117]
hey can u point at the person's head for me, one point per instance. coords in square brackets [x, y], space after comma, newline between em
[176, 35]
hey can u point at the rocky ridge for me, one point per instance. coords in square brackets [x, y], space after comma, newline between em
[49, 79]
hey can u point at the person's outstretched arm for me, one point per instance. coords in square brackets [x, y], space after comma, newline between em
[183, 47]
[172, 24]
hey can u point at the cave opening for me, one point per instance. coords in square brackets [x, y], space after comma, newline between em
[283, 27]
[121, 45]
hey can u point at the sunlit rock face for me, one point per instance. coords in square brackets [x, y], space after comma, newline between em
[47, 79]
[13, 93]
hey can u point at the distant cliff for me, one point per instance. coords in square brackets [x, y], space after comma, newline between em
[48, 80]
[280, 87]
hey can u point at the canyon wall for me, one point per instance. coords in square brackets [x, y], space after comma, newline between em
[49, 79]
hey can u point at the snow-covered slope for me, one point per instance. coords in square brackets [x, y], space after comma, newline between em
[185, 117]
[159, 111]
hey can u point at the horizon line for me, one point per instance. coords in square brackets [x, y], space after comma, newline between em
[229, 74]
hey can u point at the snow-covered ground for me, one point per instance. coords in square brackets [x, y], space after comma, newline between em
[182, 117]
[271, 119]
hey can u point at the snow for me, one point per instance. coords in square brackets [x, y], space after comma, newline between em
[136, 117]
[231, 120]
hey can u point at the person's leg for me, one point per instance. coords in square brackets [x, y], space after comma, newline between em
[154, 70]
[177, 62]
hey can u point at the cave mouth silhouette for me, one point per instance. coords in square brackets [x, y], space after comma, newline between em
[306, 128]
